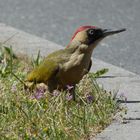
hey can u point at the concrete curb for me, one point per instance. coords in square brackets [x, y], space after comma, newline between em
[127, 82]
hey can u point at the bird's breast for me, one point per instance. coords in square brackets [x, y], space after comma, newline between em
[73, 70]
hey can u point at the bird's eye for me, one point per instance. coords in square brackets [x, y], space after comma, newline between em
[91, 32]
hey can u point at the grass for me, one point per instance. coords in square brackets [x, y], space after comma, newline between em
[37, 114]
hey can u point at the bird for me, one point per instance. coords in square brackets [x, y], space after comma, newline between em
[68, 66]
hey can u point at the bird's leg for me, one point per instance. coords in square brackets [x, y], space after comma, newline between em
[73, 93]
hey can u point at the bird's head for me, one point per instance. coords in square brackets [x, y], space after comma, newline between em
[92, 35]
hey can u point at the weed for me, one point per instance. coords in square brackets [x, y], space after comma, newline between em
[42, 115]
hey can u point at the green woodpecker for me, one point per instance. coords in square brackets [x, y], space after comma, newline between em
[68, 66]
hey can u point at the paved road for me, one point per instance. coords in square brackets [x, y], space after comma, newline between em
[56, 20]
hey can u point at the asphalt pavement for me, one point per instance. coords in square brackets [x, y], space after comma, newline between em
[56, 20]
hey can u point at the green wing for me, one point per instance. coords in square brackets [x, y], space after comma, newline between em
[44, 72]
[49, 66]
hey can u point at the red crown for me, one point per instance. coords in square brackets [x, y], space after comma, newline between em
[81, 29]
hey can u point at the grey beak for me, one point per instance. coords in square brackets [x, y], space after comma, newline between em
[107, 32]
